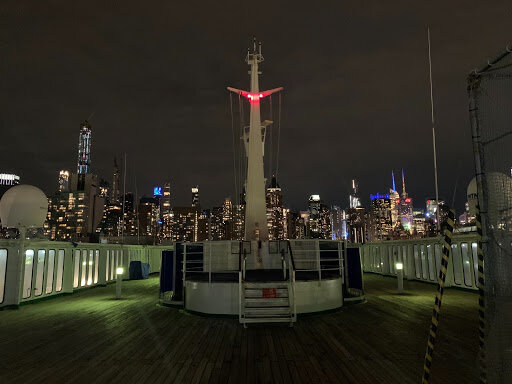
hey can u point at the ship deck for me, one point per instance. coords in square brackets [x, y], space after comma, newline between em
[88, 337]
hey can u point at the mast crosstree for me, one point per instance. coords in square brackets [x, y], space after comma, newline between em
[255, 208]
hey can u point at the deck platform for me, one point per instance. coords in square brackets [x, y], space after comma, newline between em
[88, 337]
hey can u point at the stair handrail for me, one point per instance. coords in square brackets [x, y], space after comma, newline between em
[291, 280]
[240, 293]
[244, 264]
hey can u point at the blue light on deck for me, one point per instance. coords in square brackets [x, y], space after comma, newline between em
[157, 191]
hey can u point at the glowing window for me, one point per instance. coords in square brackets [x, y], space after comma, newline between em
[3, 271]
[60, 271]
[27, 276]
[50, 271]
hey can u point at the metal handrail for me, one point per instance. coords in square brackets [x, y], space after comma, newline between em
[291, 254]
[291, 282]
[318, 260]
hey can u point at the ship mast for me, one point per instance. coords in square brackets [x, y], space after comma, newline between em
[255, 208]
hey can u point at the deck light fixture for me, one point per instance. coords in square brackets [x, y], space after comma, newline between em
[400, 276]
[119, 279]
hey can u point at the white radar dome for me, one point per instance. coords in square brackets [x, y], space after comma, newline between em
[23, 206]
[499, 194]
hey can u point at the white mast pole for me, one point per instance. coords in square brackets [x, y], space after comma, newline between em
[438, 226]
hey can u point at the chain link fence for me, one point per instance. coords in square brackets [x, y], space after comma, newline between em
[490, 108]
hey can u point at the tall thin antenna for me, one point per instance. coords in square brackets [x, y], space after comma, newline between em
[433, 132]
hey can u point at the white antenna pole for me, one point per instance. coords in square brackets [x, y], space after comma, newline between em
[438, 226]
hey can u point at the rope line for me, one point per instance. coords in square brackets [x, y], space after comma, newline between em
[434, 325]
[270, 146]
[481, 298]
[278, 134]
[234, 144]
[241, 148]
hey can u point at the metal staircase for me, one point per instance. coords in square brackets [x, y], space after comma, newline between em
[268, 301]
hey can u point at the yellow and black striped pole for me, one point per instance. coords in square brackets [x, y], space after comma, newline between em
[481, 298]
[447, 244]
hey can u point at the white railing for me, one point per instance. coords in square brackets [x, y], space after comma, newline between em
[421, 259]
[49, 268]
[319, 257]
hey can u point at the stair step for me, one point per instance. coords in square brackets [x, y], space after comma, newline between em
[261, 302]
[268, 320]
[265, 312]
[273, 284]
[258, 293]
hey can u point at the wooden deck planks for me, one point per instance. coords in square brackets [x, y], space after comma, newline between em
[90, 338]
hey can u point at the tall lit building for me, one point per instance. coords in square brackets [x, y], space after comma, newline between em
[114, 197]
[405, 208]
[216, 230]
[338, 223]
[238, 221]
[165, 210]
[357, 225]
[431, 208]
[8, 180]
[76, 214]
[286, 213]
[148, 216]
[354, 200]
[184, 224]
[63, 180]
[381, 225]
[84, 149]
[319, 219]
[314, 220]
[419, 223]
[195, 197]
[274, 202]
[394, 198]
[130, 217]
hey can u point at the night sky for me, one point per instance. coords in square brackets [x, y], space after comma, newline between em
[154, 75]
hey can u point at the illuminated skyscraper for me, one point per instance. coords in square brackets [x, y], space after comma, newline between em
[405, 214]
[165, 210]
[380, 217]
[195, 197]
[314, 209]
[63, 181]
[319, 219]
[338, 223]
[354, 200]
[84, 149]
[114, 199]
[184, 224]
[274, 200]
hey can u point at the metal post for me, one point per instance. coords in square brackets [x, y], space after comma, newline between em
[21, 264]
[319, 265]
[400, 277]
[119, 279]
[283, 264]
[210, 264]
[433, 134]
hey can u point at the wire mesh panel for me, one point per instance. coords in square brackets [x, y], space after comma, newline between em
[490, 104]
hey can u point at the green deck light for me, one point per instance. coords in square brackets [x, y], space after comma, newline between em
[119, 270]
